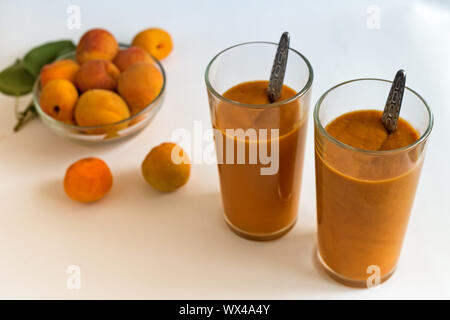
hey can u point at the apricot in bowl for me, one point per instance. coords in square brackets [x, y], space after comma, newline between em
[103, 133]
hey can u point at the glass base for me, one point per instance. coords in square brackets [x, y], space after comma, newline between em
[347, 281]
[259, 236]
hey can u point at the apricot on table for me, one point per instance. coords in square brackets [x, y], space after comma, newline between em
[97, 74]
[167, 167]
[139, 85]
[127, 57]
[96, 44]
[155, 41]
[88, 180]
[58, 99]
[101, 107]
[62, 69]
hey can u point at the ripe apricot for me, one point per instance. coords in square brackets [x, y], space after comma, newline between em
[62, 69]
[139, 85]
[127, 57]
[88, 180]
[96, 44]
[101, 107]
[155, 41]
[58, 99]
[166, 167]
[97, 74]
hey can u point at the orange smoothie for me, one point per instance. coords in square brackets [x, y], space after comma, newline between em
[364, 199]
[257, 206]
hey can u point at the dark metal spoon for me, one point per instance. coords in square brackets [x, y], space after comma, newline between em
[394, 102]
[278, 69]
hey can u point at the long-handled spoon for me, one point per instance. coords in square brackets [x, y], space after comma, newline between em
[278, 69]
[394, 102]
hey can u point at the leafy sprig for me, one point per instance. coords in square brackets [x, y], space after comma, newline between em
[18, 79]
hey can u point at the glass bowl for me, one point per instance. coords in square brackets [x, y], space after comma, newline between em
[102, 133]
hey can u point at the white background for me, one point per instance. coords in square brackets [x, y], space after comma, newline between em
[138, 243]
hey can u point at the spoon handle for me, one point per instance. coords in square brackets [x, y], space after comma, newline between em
[394, 102]
[278, 69]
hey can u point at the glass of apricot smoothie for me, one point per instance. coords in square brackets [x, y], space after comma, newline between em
[259, 145]
[366, 179]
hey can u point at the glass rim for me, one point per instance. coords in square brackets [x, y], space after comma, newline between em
[299, 94]
[322, 130]
[148, 108]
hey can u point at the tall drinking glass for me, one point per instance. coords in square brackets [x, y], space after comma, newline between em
[259, 145]
[364, 198]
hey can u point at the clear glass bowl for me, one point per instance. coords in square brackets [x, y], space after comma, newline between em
[103, 133]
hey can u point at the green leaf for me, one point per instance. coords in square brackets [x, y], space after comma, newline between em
[16, 80]
[64, 51]
[37, 57]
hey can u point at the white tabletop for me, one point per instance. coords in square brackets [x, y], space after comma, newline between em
[138, 243]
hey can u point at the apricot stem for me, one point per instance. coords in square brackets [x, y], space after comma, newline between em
[25, 115]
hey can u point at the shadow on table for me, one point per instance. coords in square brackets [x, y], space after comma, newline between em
[166, 245]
